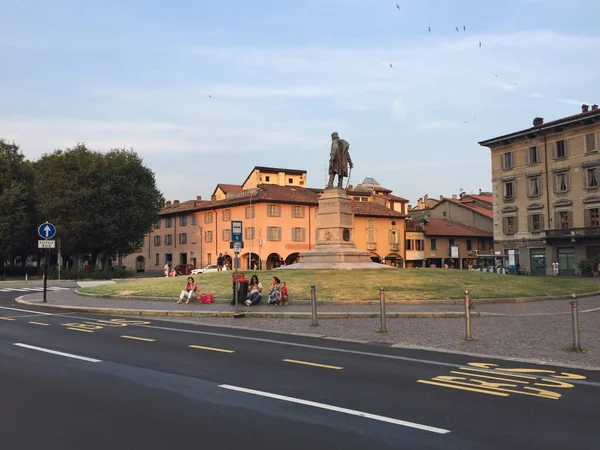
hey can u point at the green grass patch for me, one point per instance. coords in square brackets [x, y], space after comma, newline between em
[401, 284]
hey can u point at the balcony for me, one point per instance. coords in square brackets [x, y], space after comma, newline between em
[395, 247]
[371, 246]
[566, 233]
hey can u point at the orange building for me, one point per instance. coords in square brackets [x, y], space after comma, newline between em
[278, 214]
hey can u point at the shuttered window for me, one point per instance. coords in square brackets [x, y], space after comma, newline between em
[274, 211]
[535, 223]
[509, 225]
[590, 143]
[298, 234]
[274, 233]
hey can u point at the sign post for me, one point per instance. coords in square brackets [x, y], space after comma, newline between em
[236, 242]
[46, 231]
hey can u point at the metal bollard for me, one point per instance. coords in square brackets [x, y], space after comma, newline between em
[468, 336]
[313, 301]
[575, 320]
[382, 307]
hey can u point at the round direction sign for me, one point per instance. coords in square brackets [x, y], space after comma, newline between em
[47, 230]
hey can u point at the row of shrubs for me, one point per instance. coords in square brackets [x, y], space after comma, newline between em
[34, 273]
[589, 266]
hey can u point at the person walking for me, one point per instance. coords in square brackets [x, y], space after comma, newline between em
[220, 262]
[166, 269]
[556, 268]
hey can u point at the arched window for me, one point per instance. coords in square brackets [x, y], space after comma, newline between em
[394, 236]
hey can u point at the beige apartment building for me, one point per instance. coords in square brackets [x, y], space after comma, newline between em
[546, 192]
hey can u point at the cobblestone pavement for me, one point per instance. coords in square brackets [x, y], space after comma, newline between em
[540, 338]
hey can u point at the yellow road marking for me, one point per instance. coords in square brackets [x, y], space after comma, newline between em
[40, 323]
[306, 363]
[211, 349]
[463, 388]
[6, 318]
[139, 338]
[485, 376]
[498, 373]
[80, 329]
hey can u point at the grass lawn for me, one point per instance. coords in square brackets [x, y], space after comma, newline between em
[401, 284]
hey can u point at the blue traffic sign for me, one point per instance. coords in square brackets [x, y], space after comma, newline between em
[236, 230]
[47, 230]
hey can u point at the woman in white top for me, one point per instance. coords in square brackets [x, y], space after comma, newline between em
[254, 291]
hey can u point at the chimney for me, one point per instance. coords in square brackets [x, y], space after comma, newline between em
[441, 197]
[199, 198]
[538, 121]
[213, 198]
[594, 107]
[426, 197]
[175, 202]
[419, 202]
[453, 196]
[168, 203]
[479, 191]
[585, 108]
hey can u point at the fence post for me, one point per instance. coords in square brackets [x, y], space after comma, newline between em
[575, 320]
[313, 301]
[382, 312]
[468, 335]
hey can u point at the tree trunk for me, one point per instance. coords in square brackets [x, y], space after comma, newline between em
[106, 263]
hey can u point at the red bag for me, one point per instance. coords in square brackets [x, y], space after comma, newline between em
[206, 298]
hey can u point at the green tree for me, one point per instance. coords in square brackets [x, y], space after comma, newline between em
[17, 208]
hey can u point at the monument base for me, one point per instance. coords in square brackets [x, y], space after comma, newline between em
[335, 258]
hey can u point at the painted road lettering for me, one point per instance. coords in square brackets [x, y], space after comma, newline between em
[491, 379]
[100, 324]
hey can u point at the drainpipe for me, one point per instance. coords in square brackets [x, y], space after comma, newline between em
[216, 237]
[547, 183]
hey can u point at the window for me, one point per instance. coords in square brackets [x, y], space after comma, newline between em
[208, 217]
[561, 182]
[419, 244]
[298, 234]
[209, 258]
[249, 212]
[590, 143]
[469, 245]
[157, 241]
[168, 222]
[227, 235]
[168, 239]
[291, 180]
[410, 244]
[298, 211]
[510, 225]
[267, 178]
[371, 232]
[433, 244]
[444, 214]
[564, 220]
[507, 160]
[183, 238]
[536, 223]
[591, 178]
[183, 221]
[592, 217]
[208, 236]
[509, 190]
[560, 149]
[534, 186]
[193, 219]
[451, 243]
[274, 211]
[273, 233]
[226, 215]
[157, 225]
[356, 198]
[532, 155]
[481, 244]
[249, 233]
[157, 259]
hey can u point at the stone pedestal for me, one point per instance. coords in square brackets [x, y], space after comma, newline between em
[335, 247]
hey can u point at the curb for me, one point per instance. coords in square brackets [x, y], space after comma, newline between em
[276, 315]
[489, 301]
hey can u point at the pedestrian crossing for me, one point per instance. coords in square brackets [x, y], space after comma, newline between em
[31, 289]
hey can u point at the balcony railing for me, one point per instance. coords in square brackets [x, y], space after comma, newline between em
[573, 232]
[395, 247]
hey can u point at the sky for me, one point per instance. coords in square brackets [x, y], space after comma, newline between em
[205, 90]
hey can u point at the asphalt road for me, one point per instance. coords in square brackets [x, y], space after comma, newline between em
[132, 383]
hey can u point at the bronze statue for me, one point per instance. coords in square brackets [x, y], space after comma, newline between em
[339, 160]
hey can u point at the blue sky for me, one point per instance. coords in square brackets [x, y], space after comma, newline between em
[284, 75]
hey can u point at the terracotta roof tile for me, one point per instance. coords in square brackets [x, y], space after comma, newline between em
[229, 187]
[441, 227]
[395, 198]
[478, 209]
[373, 209]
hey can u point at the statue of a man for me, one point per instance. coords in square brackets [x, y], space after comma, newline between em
[339, 160]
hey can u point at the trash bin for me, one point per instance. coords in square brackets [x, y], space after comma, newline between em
[242, 292]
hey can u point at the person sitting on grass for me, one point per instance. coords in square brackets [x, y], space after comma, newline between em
[284, 295]
[275, 291]
[254, 292]
[190, 290]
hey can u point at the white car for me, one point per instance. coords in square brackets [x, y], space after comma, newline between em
[209, 268]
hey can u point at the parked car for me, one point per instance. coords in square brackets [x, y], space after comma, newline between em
[209, 268]
[183, 269]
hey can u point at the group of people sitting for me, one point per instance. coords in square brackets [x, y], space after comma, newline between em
[278, 293]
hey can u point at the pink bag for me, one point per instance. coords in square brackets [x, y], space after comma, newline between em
[206, 298]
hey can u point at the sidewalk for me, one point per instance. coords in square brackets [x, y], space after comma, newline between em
[536, 331]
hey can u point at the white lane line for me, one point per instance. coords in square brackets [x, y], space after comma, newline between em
[351, 412]
[14, 290]
[54, 352]
[28, 311]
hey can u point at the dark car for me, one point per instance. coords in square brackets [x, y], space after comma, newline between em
[183, 269]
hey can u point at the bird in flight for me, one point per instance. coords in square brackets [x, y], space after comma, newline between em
[209, 96]
[397, 6]
[496, 75]
[430, 29]
[456, 29]
[391, 67]
[479, 44]
[464, 28]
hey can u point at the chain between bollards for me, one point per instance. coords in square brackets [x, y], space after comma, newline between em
[382, 307]
[313, 301]
[468, 335]
[575, 320]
